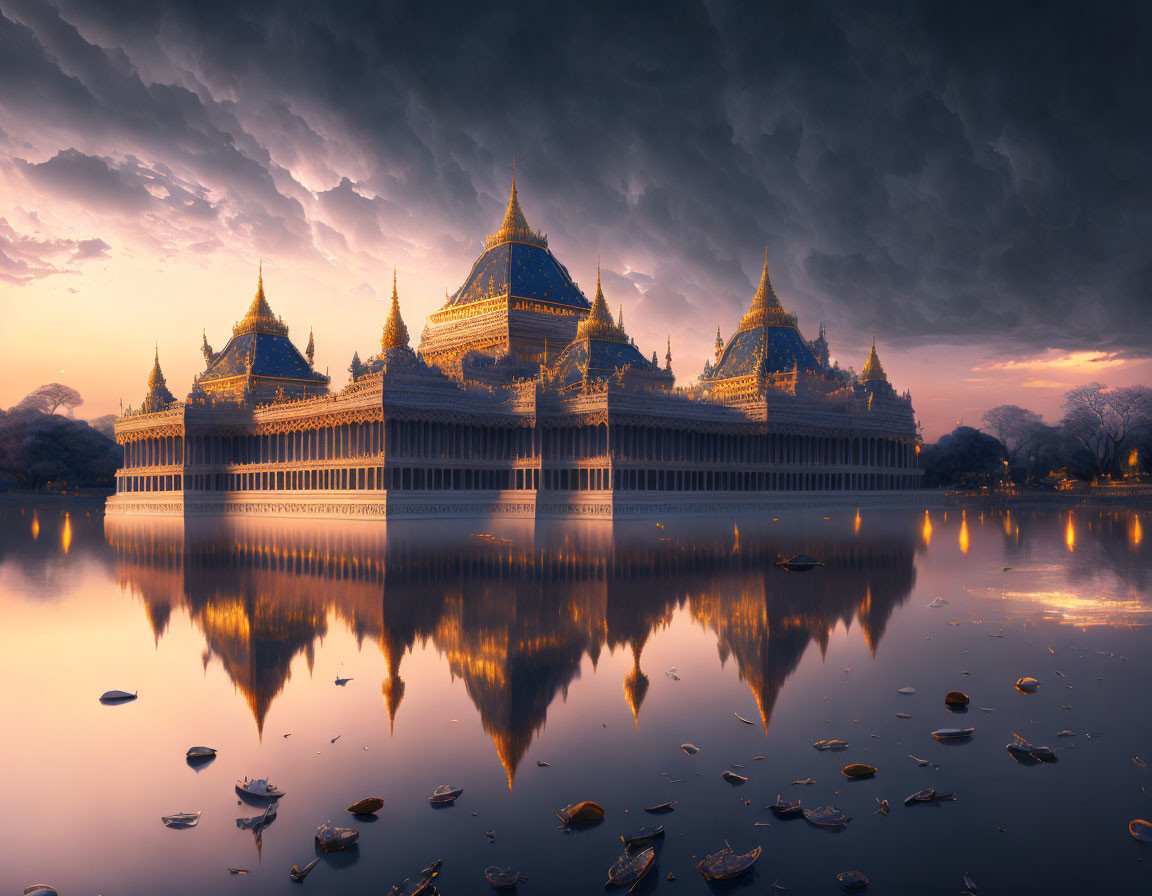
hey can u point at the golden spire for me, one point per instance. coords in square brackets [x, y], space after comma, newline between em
[719, 344]
[514, 228]
[158, 397]
[598, 324]
[668, 356]
[620, 319]
[766, 309]
[395, 333]
[872, 370]
[259, 318]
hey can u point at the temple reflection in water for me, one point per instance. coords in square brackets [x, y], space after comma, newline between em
[513, 611]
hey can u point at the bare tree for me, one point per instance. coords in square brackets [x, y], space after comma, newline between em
[1016, 428]
[1100, 418]
[48, 398]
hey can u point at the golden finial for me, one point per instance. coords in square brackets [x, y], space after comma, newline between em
[598, 324]
[395, 332]
[668, 356]
[766, 309]
[259, 317]
[514, 228]
[873, 371]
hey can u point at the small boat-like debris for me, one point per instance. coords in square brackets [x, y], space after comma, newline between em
[732, 778]
[630, 868]
[502, 878]
[370, 805]
[333, 839]
[298, 874]
[543, 764]
[783, 808]
[826, 817]
[953, 733]
[742, 719]
[114, 697]
[182, 819]
[907, 692]
[200, 754]
[661, 807]
[726, 864]
[258, 822]
[40, 890]
[858, 770]
[834, 745]
[1027, 685]
[1138, 828]
[852, 881]
[445, 795]
[884, 807]
[956, 699]
[417, 883]
[642, 836]
[340, 682]
[799, 563]
[258, 788]
[928, 795]
[578, 812]
[1029, 754]
[690, 749]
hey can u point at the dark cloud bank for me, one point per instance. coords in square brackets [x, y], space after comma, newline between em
[969, 173]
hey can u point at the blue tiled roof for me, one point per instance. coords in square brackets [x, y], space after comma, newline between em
[534, 274]
[606, 356]
[786, 349]
[272, 356]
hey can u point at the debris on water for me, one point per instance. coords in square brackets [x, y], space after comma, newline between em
[40, 890]
[257, 823]
[757, 758]
[927, 795]
[340, 682]
[742, 719]
[182, 819]
[629, 869]
[445, 795]
[491, 835]
[732, 778]
[671, 673]
[1029, 754]
[826, 817]
[884, 807]
[858, 770]
[418, 883]
[956, 699]
[298, 874]
[370, 805]
[1092, 734]
[799, 563]
[903, 715]
[200, 754]
[337, 737]
[968, 882]
[938, 602]
[990, 709]
[542, 764]
[259, 788]
[502, 878]
[333, 839]
[1027, 685]
[690, 749]
[907, 692]
[645, 835]
[783, 808]
[1061, 674]
[1065, 733]
[996, 635]
[578, 812]
[236, 870]
[117, 696]
[953, 733]
[657, 809]
[835, 745]
[1140, 763]
[726, 864]
[1138, 828]
[852, 881]
[918, 760]
[289, 734]
[804, 781]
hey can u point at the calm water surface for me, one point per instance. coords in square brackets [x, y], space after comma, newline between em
[478, 651]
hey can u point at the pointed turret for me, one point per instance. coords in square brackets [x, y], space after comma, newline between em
[719, 344]
[259, 317]
[620, 321]
[765, 308]
[158, 397]
[873, 371]
[395, 332]
[598, 324]
[668, 355]
[514, 228]
[310, 352]
[205, 348]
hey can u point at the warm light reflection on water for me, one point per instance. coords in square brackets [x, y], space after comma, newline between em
[1136, 532]
[472, 653]
[1070, 533]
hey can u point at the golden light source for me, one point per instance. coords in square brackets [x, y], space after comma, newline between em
[66, 533]
[35, 526]
[1070, 533]
[1135, 531]
[856, 524]
[927, 530]
[964, 540]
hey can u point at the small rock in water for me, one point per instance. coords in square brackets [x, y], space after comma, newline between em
[852, 881]
[690, 749]
[907, 692]
[938, 602]
[1027, 685]
[903, 715]
[543, 764]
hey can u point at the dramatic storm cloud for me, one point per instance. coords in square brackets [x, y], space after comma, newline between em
[969, 175]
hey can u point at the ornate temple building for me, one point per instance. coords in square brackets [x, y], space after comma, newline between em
[524, 399]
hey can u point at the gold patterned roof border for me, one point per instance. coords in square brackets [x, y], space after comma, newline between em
[514, 228]
[259, 318]
[873, 371]
[395, 333]
[599, 324]
[766, 309]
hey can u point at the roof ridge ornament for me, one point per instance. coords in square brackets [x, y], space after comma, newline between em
[598, 324]
[259, 317]
[514, 228]
[395, 333]
[766, 309]
[873, 370]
